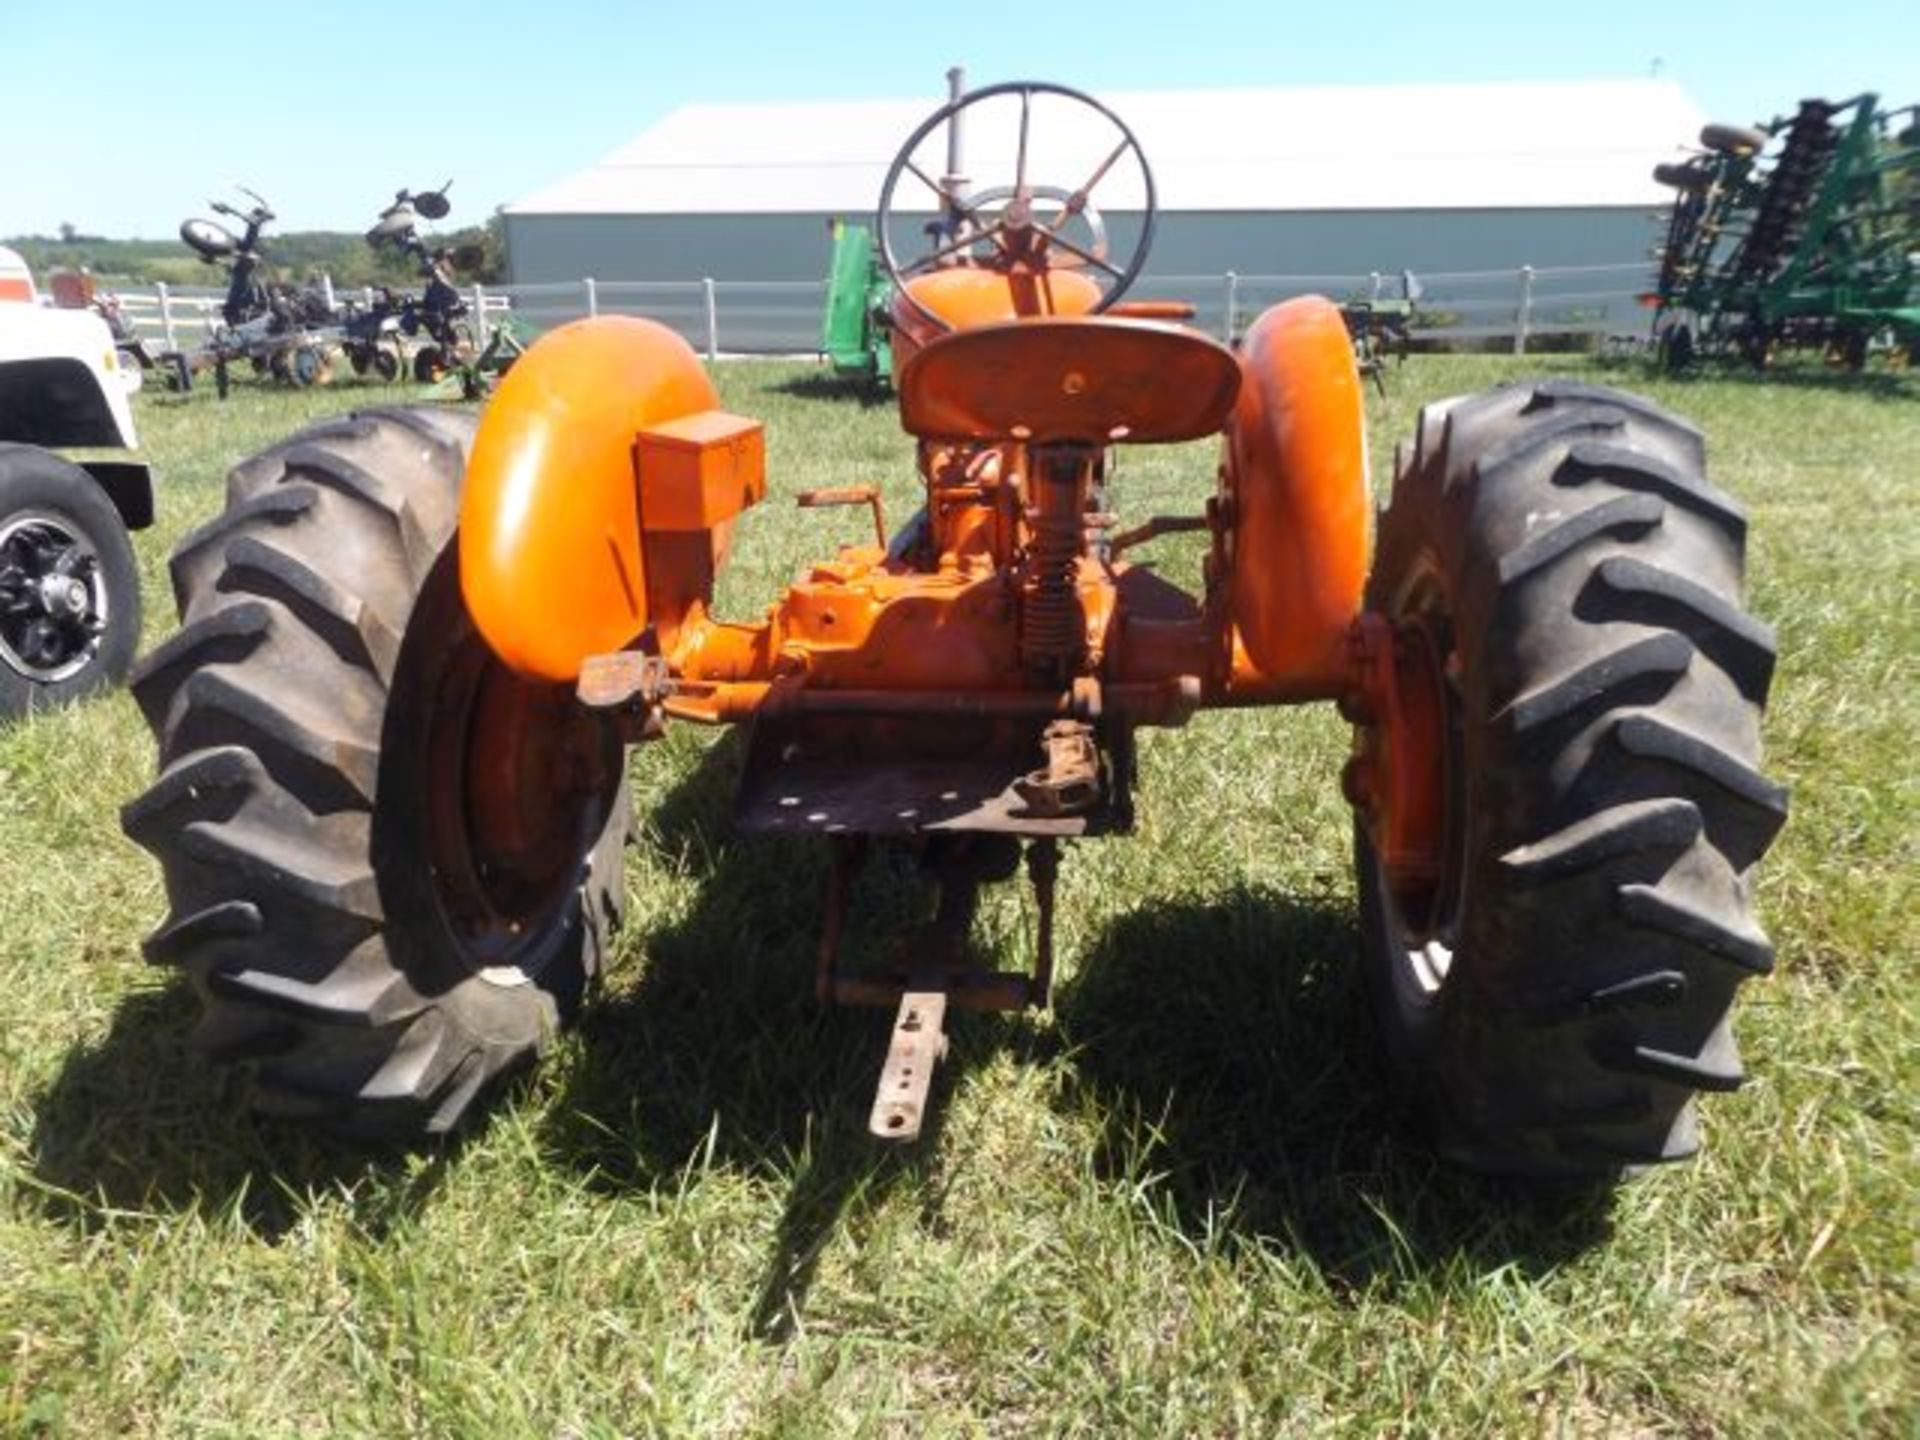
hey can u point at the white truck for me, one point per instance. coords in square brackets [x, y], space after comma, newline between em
[69, 587]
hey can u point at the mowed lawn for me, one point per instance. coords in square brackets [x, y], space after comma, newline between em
[1185, 1202]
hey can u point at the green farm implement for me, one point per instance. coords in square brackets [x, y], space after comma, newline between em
[1803, 233]
[854, 332]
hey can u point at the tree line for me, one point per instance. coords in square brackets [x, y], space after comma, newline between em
[480, 254]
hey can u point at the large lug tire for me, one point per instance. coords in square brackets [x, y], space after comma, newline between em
[1563, 992]
[393, 867]
[69, 587]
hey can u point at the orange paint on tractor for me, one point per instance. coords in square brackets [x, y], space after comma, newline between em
[551, 560]
[962, 298]
[590, 517]
[1084, 378]
[605, 483]
[1296, 483]
[983, 668]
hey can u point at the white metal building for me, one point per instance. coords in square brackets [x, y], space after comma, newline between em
[1305, 182]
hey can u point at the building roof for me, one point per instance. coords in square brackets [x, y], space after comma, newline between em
[1403, 147]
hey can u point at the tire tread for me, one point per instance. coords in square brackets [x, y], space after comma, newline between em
[1612, 692]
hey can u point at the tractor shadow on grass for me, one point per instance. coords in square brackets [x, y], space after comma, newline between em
[823, 384]
[1227, 1049]
[1873, 384]
[142, 1122]
[717, 1057]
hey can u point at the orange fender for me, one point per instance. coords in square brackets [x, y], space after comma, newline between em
[1296, 472]
[551, 561]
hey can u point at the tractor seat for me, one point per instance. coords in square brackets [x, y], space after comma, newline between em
[1087, 379]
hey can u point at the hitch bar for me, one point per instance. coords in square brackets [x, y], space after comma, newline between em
[940, 980]
[919, 1043]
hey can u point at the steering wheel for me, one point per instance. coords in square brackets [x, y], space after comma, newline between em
[1020, 228]
[981, 202]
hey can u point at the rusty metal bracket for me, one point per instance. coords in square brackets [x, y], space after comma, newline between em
[1069, 783]
[1155, 527]
[832, 495]
[933, 956]
[849, 851]
[936, 976]
[628, 687]
[1043, 868]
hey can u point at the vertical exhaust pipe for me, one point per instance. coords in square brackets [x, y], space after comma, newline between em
[954, 182]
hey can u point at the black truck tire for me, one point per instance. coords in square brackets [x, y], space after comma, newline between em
[393, 866]
[57, 525]
[1567, 996]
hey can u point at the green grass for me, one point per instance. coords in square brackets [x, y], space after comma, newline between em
[1183, 1203]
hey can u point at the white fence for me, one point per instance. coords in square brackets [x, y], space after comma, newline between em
[783, 316]
[179, 317]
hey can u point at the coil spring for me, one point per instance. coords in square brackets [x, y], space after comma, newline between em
[1051, 625]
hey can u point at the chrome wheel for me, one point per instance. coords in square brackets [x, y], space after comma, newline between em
[53, 601]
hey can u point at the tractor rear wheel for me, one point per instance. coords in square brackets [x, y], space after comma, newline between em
[1557, 989]
[393, 865]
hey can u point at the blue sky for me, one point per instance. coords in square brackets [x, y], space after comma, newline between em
[122, 117]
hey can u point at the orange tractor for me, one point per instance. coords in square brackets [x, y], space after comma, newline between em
[392, 797]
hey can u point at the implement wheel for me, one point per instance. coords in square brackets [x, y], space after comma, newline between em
[309, 365]
[1682, 177]
[429, 364]
[1565, 584]
[1677, 349]
[1734, 139]
[393, 865]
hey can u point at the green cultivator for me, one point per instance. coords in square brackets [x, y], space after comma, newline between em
[1802, 233]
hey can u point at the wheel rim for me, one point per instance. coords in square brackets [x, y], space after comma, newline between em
[53, 600]
[518, 786]
[1416, 816]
